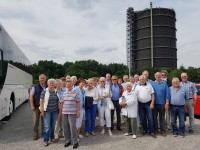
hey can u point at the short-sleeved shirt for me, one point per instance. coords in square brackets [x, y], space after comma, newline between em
[190, 88]
[69, 100]
[178, 96]
[144, 92]
[53, 101]
[115, 89]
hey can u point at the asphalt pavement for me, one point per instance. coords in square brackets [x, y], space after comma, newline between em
[16, 134]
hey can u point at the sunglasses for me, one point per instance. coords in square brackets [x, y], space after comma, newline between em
[114, 79]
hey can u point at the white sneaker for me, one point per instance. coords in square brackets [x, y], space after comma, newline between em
[134, 136]
[80, 136]
[103, 131]
[110, 132]
[127, 134]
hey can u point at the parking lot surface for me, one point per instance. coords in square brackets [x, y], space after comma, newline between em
[16, 134]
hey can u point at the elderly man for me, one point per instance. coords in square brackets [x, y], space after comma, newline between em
[136, 77]
[146, 74]
[161, 103]
[116, 91]
[191, 102]
[35, 103]
[108, 79]
[177, 103]
[145, 96]
[125, 79]
[69, 111]
[134, 83]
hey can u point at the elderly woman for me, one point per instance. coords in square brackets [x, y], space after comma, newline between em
[74, 80]
[70, 111]
[49, 102]
[130, 109]
[81, 93]
[91, 98]
[58, 126]
[104, 111]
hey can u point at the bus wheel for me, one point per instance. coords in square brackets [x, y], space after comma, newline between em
[11, 108]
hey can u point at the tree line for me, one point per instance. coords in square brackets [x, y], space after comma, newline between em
[91, 68]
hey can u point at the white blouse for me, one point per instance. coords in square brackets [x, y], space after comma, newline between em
[93, 93]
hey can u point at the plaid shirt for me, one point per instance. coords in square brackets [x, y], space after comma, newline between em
[189, 88]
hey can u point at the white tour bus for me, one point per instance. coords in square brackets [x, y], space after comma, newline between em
[15, 78]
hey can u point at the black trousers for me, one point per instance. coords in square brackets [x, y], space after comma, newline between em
[159, 109]
[118, 113]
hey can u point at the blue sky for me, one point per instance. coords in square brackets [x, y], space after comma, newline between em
[71, 30]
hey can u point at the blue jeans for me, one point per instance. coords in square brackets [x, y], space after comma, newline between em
[90, 118]
[49, 125]
[146, 114]
[178, 111]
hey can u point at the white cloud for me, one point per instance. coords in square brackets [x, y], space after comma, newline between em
[70, 30]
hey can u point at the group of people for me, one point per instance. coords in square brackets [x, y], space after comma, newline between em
[154, 105]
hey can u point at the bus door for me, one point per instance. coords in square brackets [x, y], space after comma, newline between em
[1, 83]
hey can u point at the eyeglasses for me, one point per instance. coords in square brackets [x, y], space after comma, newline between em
[163, 74]
[114, 79]
[102, 81]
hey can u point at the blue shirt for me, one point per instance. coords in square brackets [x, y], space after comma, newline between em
[81, 94]
[178, 96]
[115, 92]
[189, 88]
[60, 93]
[161, 92]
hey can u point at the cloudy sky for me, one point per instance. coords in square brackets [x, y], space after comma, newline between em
[70, 30]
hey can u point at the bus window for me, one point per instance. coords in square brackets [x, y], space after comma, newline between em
[1, 62]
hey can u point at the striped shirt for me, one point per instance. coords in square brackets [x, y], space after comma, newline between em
[69, 100]
[53, 101]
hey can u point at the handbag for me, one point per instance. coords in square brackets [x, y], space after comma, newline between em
[88, 101]
[110, 104]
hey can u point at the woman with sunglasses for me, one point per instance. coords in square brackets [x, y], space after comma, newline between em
[104, 110]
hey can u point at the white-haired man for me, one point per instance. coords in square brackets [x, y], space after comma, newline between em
[191, 102]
